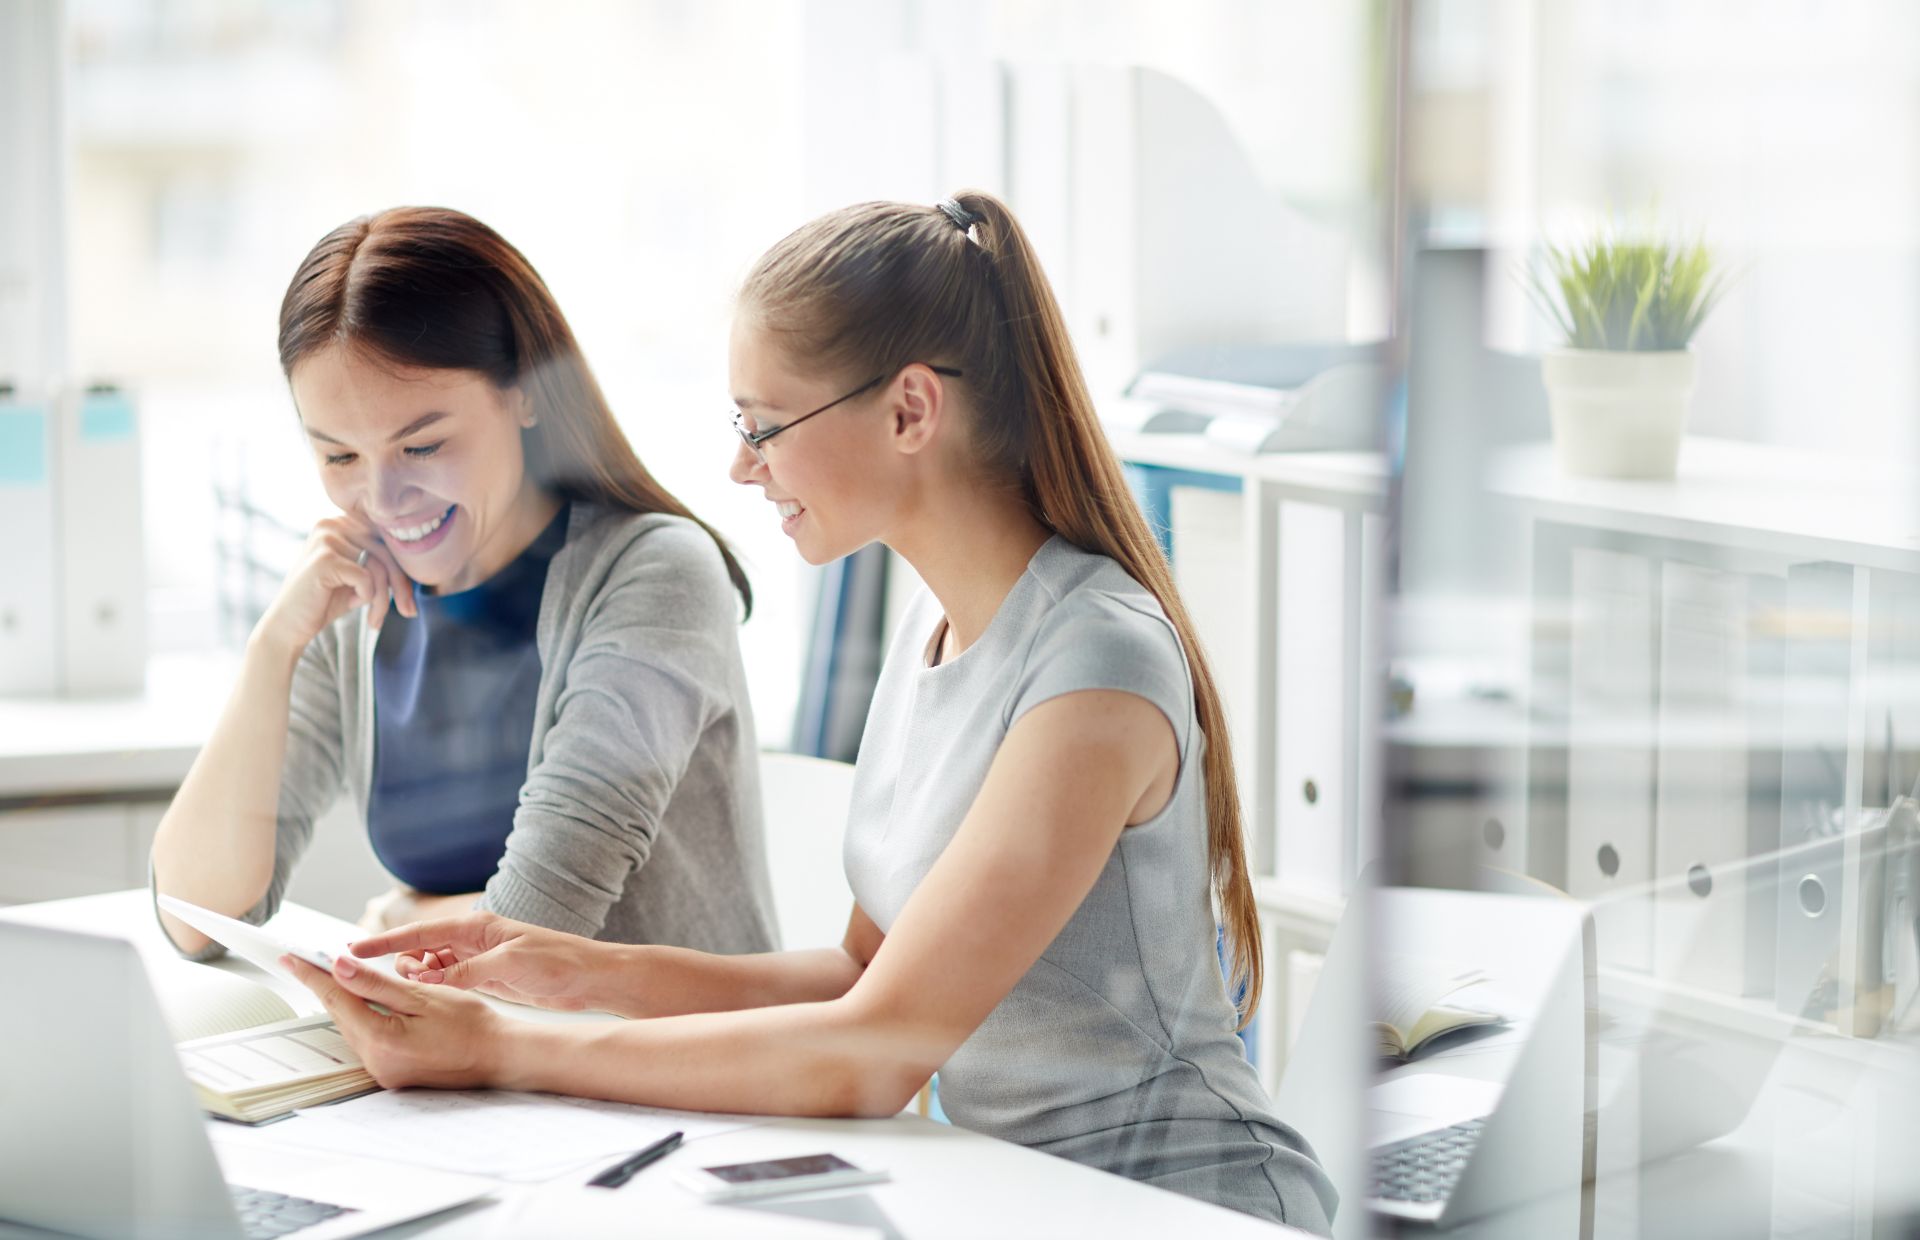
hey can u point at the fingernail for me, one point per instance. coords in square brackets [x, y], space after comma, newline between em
[345, 966]
[431, 976]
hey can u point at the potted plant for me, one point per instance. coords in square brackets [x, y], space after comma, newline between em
[1617, 392]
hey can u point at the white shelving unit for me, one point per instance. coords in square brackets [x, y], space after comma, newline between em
[1782, 585]
[1315, 791]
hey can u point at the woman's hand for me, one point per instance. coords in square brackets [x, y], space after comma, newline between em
[438, 1039]
[345, 565]
[403, 904]
[507, 959]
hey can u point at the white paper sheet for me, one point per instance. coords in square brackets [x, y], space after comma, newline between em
[503, 1134]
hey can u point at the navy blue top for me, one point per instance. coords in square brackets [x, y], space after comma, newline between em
[454, 692]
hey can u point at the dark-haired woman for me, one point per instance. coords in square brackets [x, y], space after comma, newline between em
[512, 648]
[1044, 819]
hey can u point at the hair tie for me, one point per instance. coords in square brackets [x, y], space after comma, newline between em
[962, 218]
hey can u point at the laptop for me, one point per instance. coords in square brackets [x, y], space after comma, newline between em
[100, 1135]
[1585, 1077]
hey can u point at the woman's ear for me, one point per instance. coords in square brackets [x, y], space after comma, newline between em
[520, 405]
[919, 408]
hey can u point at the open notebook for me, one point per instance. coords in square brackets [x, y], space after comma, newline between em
[246, 1052]
[1409, 1013]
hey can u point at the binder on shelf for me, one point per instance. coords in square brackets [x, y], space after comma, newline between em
[102, 559]
[1370, 694]
[1826, 844]
[1315, 744]
[29, 588]
[1613, 596]
[843, 655]
[1209, 570]
[1878, 860]
[1704, 932]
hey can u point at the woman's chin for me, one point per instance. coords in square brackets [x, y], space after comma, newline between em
[820, 551]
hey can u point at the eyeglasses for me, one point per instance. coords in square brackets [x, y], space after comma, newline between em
[753, 439]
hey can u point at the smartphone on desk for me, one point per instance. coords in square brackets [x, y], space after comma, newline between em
[803, 1173]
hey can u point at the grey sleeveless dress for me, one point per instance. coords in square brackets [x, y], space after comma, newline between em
[1117, 1048]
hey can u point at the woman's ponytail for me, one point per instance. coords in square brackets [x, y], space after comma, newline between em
[870, 288]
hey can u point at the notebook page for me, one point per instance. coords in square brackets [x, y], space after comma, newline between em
[274, 1055]
[199, 1001]
[1408, 985]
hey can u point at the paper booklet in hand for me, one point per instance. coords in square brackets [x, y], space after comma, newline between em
[1409, 1013]
[248, 1055]
[250, 1058]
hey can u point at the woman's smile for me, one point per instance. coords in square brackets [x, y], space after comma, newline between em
[421, 536]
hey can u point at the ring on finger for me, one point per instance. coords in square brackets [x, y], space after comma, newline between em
[361, 559]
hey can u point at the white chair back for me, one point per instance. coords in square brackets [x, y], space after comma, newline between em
[806, 803]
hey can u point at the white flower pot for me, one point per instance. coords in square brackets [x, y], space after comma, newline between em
[1617, 415]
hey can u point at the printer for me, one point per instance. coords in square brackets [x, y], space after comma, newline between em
[1262, 398]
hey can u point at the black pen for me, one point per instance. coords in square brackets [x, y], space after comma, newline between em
[622, 1171]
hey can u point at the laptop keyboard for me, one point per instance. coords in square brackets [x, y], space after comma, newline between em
[264, 1215]
[1425, 1168]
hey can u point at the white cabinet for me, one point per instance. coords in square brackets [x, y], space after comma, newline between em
[49, 854]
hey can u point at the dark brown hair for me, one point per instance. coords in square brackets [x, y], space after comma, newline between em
[868, 289]
[437, 289]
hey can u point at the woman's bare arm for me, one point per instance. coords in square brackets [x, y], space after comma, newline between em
[1070, 776]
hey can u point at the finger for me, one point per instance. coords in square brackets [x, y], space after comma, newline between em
[375, 987]
[368, 539]
[382, 594]
[439, 934]
[338, 572]
[412, 966]
[349, 1014]
[397, 576]
[473, 973]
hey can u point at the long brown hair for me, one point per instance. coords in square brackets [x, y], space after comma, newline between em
[871, 288]
[437, 289]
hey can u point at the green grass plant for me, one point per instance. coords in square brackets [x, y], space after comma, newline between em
[1626, 295]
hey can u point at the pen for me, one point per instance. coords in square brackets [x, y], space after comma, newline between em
[622, 1171]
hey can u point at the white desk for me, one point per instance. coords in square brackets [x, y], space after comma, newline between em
[114, 746]
[945, 1181]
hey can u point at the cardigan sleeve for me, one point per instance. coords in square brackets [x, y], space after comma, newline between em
[643, 685]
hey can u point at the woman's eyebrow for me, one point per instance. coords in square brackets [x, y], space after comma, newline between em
[418, 424]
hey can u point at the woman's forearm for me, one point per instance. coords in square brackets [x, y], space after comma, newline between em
[215, 846]
[652, 981]
[816, 1059]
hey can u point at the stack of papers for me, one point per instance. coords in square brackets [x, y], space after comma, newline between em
[257, 1073]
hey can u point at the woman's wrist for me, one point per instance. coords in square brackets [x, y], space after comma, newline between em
[523, 1053]
[619, 972]
[270, 649]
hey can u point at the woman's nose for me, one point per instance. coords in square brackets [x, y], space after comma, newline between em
[746, 468]
[390, 490]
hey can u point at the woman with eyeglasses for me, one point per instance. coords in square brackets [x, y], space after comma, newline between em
[1044, 820]
[511, 648]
